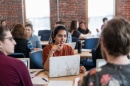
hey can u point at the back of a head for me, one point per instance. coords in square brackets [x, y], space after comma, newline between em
[19, 31]
[116, 36]
[74, 25]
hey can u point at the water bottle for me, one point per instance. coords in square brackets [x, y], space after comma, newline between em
[30, 46]
[79, 46]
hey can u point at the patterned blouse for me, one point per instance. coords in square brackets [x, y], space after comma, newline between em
[108, 75]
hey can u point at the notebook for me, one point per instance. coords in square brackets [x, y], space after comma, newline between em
[64, 65]
[100, 62]
[71, 44]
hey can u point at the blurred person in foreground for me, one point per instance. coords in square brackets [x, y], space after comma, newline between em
[13, 72]
[115, 46]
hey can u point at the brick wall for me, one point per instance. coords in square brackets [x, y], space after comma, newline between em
[68, 10]
[123, 8]
[11, 10]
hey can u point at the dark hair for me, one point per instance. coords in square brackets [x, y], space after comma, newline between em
[19, 32]
[81, 23]
[116, 36]
[104, 19]
[2, 21]
[2, 32]
[56, 30]
[29, 25]
[73, 25]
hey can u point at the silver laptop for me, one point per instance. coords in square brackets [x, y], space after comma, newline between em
[26, 61]
[64, 65]
[71, 44]
[100, 62]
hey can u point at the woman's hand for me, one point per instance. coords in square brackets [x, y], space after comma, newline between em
[57, 47]
[82, 69]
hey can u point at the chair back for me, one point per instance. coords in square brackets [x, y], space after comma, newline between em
[36, 60]
[40, 32]
[45, 37]
[75, 39]
[90, 43]
[17, 55]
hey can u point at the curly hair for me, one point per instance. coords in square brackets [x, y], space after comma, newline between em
[19, 32]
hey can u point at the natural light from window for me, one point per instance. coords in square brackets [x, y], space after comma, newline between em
[97, 10]
[38, 13]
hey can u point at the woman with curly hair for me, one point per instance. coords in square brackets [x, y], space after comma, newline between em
[20, 36]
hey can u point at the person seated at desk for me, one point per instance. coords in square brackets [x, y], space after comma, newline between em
[74, 31]
[60, 23]
[13, 72]
[20, 36]
[83, 29]
[115, 46]
[58, 48]
[33, 38]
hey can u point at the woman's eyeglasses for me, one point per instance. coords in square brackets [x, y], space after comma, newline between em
[10, 38]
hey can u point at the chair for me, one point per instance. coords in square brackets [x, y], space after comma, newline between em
[90, 43]
[36, 60]
[45, 37]
[75, 39]
[17, 55]
[40, 32]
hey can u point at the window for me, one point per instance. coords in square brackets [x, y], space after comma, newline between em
[97, 11]
[38, 13]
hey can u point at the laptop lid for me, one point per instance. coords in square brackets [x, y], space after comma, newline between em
[71, 44]
[64, 65]
[26, 61]
[100, 62]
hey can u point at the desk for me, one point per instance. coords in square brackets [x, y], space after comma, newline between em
[44, 43]
[83, 54]
[68, 78]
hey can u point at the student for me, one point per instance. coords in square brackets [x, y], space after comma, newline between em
[20, 36]
[115, 46]
[60, 23]
[104, 20]
[58, 48]
[74, 31]
[3, 23]
[83, 29]
[33, 38]
[13, 72]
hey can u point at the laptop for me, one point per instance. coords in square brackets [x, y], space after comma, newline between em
[71, 44]
[100, 62]
[64, 65]
[26, 61]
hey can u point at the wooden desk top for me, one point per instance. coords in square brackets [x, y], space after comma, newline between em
[84, 54]
[43, 74]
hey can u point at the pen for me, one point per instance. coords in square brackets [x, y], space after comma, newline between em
[37, 73]
[44, 79]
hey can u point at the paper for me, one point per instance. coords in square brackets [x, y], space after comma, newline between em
[60, 83]
[39, 81]
[86, 50]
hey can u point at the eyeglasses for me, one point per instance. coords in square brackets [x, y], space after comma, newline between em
[10, 38]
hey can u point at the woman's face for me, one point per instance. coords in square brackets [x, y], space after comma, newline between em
[60, 37]
[28, 31]
[7, 45]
